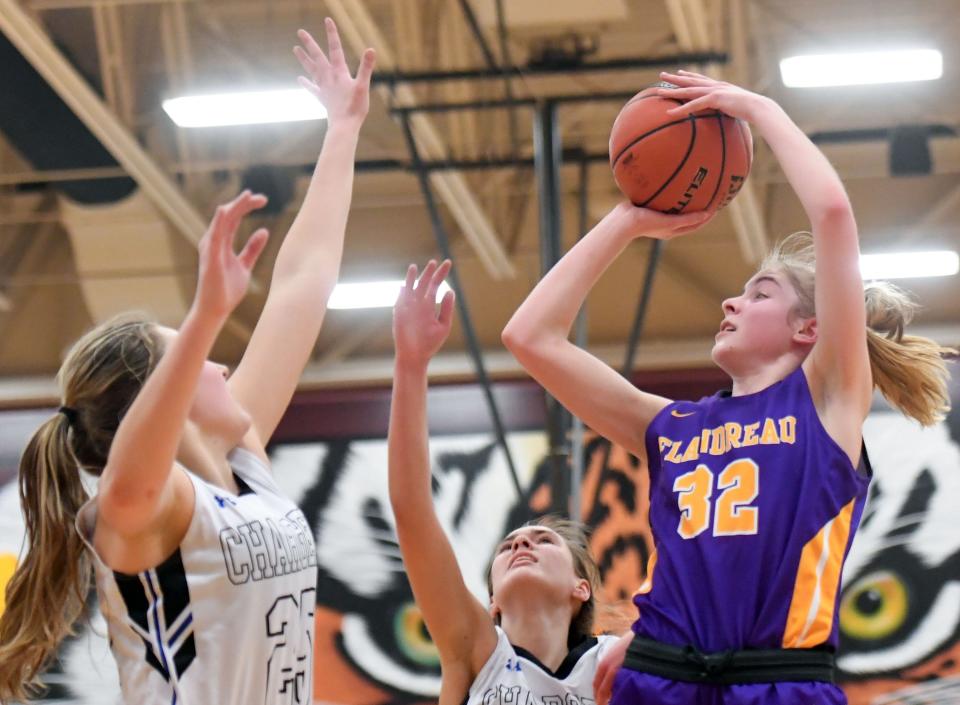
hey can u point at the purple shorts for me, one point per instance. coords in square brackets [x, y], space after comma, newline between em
[633, 688]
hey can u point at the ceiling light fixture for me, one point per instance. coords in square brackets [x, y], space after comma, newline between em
[853, 69]
[248, 108]
[906, 265]
[382, 294]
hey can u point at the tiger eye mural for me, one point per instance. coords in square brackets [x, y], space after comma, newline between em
[900, 605]
[900, 602]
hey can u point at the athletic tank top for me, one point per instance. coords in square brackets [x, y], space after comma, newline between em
[753, 507]
[514, 676]
[228, 617]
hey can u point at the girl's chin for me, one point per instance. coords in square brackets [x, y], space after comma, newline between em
[722, 355]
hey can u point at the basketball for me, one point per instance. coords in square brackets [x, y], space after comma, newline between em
[676, 164]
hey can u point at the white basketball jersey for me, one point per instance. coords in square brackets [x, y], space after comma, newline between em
[514, 676]
[228, 618]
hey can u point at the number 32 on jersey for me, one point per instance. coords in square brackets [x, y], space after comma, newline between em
[738, 485]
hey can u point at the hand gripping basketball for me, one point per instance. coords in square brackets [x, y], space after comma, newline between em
[643, 222]
[703, 93]
[675, 157]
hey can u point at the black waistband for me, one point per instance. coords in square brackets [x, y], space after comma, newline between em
[688, 664]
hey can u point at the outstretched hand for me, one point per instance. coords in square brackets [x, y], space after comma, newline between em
[224, 274]
[702, 92]
[419, 329]
[328, 77]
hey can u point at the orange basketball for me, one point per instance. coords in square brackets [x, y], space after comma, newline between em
[678, 164]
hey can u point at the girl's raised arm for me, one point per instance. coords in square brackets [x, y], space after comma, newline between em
[459, 625]
[308, 262]
[538, 333]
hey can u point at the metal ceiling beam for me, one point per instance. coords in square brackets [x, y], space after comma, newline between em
[41, 5]
[503, 103]
[850, 166]
[466, 323]
[492, 63]
[36, 46]
[32, 41]
[360, 31]
[628, 63]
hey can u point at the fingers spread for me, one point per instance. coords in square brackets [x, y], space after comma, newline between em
[411, 278]
[242, 206]
[694, 74]
[216, 224]
[334, 48]
[311, 47]
[693, 106]
[308, 64]
[251, 251]
[684, 78]
[365, 71]
[446, 308]
[425, 278]
[684, 93]
[222, 236]
[437, 279]
[310, 86]
[227, 219]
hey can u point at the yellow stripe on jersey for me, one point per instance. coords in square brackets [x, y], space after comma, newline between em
[8, 564]
[810, 619]
[648, 581]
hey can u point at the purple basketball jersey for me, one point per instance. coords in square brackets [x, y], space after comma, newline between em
[753, 508]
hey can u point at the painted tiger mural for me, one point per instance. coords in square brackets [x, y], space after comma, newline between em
[372, 645]
[900, 604]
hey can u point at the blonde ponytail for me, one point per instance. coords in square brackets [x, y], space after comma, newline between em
[47, 592]
[101, 376]
[910, 371]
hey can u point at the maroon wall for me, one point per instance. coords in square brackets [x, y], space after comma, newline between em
[458, 408]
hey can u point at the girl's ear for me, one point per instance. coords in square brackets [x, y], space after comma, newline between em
[494, 612]
[806, 333]
[581, 590]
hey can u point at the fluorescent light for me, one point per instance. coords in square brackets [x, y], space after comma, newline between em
[903, 265]
[371, 294]
[286, 105]
[861, 68]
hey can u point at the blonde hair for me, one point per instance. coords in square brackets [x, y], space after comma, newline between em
[99, 379]
[910, 371]
[574, 535]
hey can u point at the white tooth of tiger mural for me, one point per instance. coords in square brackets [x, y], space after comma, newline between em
[900, 603]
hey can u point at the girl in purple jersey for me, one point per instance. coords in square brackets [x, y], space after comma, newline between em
[160, 426]
[754, 495]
